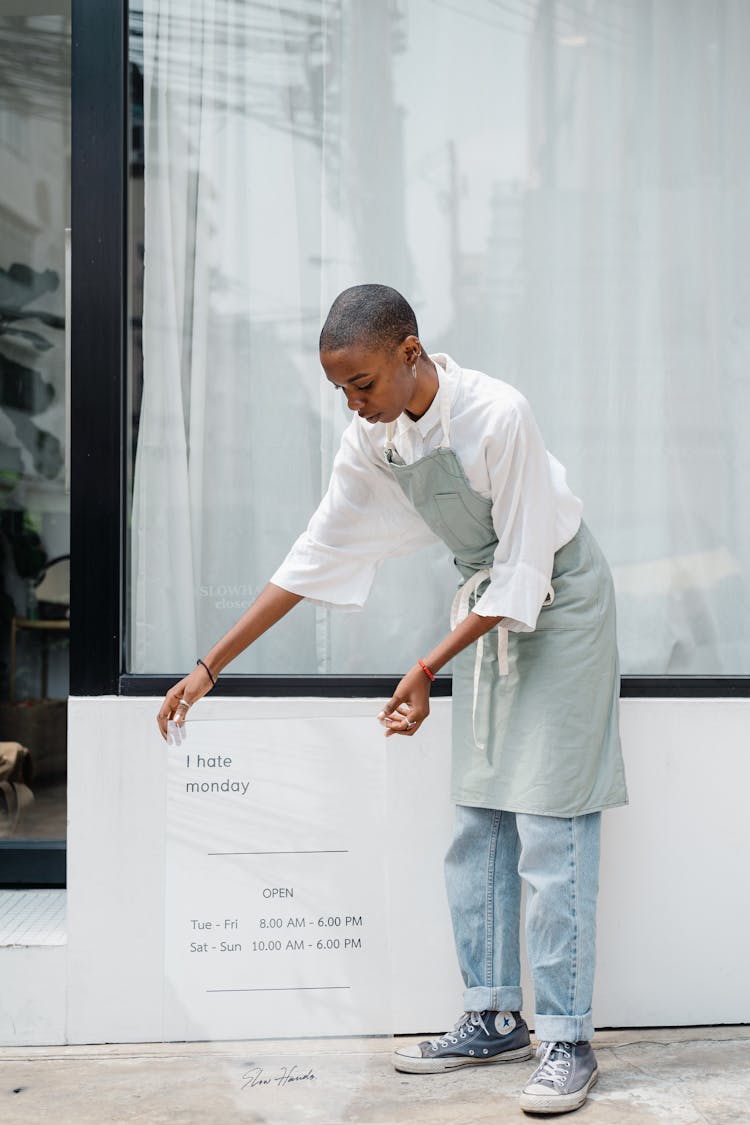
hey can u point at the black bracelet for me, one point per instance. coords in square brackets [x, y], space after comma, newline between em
[208, 670]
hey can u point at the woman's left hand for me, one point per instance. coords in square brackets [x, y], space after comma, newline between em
[405, 712]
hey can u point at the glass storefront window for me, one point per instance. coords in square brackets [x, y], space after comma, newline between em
[562, 195]
[34, 492]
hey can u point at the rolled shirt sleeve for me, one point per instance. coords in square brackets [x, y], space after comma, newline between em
[363, 519]
[526, 514]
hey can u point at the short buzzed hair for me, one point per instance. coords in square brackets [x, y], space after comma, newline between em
[368, 314]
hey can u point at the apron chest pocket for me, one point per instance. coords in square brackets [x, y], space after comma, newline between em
[459, 524]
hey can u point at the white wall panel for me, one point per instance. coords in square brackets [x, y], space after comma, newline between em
[33, 1002]
[673, 912]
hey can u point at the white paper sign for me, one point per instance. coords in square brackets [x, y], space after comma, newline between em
[275, 892]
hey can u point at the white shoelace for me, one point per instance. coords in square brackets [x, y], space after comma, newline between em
[461, 1030]
[555, 1064]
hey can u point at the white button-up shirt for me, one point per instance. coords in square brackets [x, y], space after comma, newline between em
[365, 517]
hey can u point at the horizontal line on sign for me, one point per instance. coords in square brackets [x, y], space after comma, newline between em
[277, 718]
[310, 851]
[299, 988]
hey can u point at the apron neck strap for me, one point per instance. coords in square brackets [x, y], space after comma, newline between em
[445, 421]
[445, 417]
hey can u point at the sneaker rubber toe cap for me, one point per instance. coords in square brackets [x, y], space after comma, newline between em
[412, 1052]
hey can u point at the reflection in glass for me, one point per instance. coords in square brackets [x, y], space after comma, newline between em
[562, 194]
[34, 508]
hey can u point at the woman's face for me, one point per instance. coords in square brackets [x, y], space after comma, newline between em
[378, 383]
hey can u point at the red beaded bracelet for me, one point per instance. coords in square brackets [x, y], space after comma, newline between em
[425, 669]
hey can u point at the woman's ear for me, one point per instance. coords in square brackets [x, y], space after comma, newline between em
[411, 350]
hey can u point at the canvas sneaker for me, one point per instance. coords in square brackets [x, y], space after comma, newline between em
[562, 1080]
[478, 1037]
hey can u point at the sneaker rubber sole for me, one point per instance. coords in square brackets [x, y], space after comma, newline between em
[557, 1103]
[409, 1065]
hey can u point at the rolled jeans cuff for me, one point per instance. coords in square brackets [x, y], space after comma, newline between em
[482, 999]
[564, 1029]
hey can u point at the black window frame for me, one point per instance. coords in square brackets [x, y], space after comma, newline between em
[99, 445]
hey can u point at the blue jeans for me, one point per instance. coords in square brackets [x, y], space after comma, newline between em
[558, 859]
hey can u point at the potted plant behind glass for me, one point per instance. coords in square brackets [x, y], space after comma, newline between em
[29, 453]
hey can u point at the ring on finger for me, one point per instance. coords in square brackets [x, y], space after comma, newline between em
[183, 703]
[410, 725]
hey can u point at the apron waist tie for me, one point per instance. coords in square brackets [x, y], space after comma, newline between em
[460, 610]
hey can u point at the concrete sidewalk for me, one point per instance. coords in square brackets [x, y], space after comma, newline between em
[683, 1077]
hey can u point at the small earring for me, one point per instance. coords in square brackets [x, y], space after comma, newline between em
[414, 370]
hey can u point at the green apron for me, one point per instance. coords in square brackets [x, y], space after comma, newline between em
[535, 715]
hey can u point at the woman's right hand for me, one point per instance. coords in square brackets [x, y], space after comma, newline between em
[178, 701]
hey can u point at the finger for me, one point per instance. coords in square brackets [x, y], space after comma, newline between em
[393, 710]
[180, 712]
[395, 722]
[408, 730]
[391, 706]
[171, 711]
[404, 720]
[178, 703]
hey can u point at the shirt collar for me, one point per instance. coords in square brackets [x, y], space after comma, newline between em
[447, 372]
